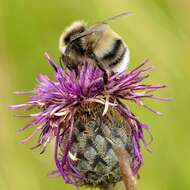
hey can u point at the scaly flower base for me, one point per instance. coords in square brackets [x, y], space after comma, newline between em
[85, 116]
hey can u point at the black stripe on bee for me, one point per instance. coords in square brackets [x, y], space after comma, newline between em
[115, 49]
[115, 55]
[117, 59]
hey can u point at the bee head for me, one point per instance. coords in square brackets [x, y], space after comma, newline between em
[73, 30]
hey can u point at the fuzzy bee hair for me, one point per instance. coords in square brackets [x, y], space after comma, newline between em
[98, 42]
[75, 28]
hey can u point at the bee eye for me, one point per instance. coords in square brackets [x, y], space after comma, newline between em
[66, 40]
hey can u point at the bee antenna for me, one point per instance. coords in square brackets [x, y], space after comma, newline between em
[101, 25]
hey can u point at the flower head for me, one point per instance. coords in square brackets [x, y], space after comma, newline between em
[61, 100]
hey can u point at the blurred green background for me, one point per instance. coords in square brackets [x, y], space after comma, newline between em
[159, 30]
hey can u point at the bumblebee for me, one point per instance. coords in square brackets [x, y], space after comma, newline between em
[98, 42]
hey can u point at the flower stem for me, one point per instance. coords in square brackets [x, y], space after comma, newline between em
[129, 180]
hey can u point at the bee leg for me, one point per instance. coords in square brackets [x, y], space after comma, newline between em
[98, 62]
[75, 68]
[105, 74]
[105, 77]
[67, 63]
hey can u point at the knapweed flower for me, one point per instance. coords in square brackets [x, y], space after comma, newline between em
[84, 116]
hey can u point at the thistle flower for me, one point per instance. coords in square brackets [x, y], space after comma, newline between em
[83, 114]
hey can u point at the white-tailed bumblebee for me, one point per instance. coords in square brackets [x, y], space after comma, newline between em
[98, 42]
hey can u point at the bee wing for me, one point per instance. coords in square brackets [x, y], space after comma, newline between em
[101, 26]
[120, 16]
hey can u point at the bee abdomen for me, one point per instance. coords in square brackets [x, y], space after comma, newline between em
[116, 53]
